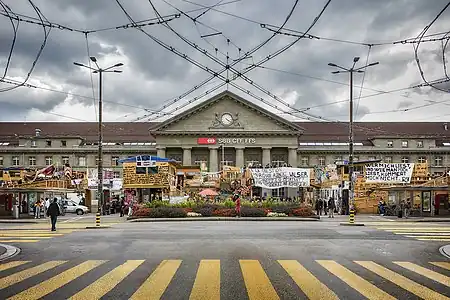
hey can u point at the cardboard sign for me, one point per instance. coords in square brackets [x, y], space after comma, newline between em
[274, 178]
[389, 173]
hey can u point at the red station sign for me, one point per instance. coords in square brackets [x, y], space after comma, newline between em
[206, 141]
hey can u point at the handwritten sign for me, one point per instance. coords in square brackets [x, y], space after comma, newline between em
[273, 178]
[389, 173]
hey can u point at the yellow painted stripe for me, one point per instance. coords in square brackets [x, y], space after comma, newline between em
[106, 283]
[403, 282]
[414, 228]
[157, 282]
[307, 282]
[417, 230]
[30, 234]
[358, 283]
[424, 233]
[435, 240]
[20, 241]
[12, 264]
[428, 237]
[445, 280]
[441, 264]
[44, 288]
[207, 281]
[25, 274]
[256, 281]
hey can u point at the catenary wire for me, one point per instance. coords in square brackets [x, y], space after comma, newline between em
[15, 27]
[90, 75]
[362, 81]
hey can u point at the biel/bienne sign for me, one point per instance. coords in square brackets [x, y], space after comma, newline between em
[389, 173]
[274, 178]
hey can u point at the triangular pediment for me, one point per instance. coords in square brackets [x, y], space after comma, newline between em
[227, 112]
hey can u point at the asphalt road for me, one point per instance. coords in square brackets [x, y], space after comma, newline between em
[227, 260]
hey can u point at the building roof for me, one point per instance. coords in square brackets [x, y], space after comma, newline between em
[140, 131]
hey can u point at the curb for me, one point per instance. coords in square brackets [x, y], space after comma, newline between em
[445, 250]
[352, 224]
[208, 219]
[11, 251]
[97, 227]
[21, 222]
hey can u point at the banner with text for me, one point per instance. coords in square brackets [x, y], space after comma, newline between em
[389, 173]
[274, 178]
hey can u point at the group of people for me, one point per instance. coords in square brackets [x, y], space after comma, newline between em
[323, 206]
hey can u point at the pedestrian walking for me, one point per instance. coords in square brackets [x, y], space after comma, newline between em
[122, 206]
[53, 213]
[407, 208]
[46, 205]
[37, 209]
[331, 207]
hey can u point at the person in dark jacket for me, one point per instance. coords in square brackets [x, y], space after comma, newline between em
[53, 213]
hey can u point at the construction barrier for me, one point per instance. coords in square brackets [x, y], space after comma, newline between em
[97, 219]
[352, 216]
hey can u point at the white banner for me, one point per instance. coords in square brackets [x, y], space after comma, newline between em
[389, 173]
[274, 178]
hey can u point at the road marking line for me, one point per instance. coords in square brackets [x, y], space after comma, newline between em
[30, 234]
[358, 283]
[12, 264]
[44, 288]
[256, 281]
[435, 240]
[30, 272]
[414, 228]
[158, 281]
[403, 282]
[445, 280]
[441, 264]
[306, 281]
[424, 233]
[20, 241]
[106, 283]
[426, 237]
[207, 281]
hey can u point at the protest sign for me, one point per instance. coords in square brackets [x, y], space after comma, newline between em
[274, 178]
[389, 173]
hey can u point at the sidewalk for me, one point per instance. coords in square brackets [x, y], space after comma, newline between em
[363, 218]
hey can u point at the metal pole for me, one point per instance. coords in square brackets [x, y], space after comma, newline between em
[223, 156]
[350, 150]
[100, 146]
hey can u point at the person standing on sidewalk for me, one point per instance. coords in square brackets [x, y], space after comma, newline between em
[46, 205]
[37, 209]
[331, 207]
[53, 213]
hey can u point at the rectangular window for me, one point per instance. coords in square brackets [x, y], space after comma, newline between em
[322, 161]
[1, 160]
[116, 174]
[404, 144]
[422, 159]
[438, 161]
[305, 161]
[82, 161]
[48, 143]
[114, 161]
[338, 158]
[65, 160]
[419, 144]
[63, 143]
[388, 159]
[371, 158]
[405, 159]
[390, 144]
[48, 160]
[32, 161]
[15, 161]
[355, 158]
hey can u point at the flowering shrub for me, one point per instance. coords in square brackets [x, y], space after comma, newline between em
[252, 212]
[275, 214]
[304, 211]
[193, 214]
[224, 212]
[142, 212]
[167, 212]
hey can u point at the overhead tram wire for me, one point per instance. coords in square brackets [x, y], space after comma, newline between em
[444, 59]
[362, 81]
[264, 60]
[15, 27]
[417, 45]
[41, 49]
[90, 75]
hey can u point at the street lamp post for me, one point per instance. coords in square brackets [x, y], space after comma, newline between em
[351, 70]
[100, 71]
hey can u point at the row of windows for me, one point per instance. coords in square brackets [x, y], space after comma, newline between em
[322, 161]
[63, 143]
[81, 161]
[390, 144]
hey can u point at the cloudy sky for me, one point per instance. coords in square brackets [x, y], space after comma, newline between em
[154, 77]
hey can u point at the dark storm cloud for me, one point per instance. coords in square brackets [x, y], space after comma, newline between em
[153, 74]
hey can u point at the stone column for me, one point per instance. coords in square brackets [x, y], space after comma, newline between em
[240, 157]
[292, 160]
[161, 151]
[213, 159]
[187, 156]
[266, 159]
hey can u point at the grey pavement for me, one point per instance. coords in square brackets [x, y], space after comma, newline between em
[304, 244]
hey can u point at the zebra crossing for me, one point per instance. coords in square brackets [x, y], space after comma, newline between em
[421, 233]
[141, 279]
[20, 236]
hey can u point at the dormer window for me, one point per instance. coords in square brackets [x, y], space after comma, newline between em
[404, 144]
[48, 143]
[390, 144]
[63, 143]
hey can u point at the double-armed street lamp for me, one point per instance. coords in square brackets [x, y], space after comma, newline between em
[100, 71]
[350, 137]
